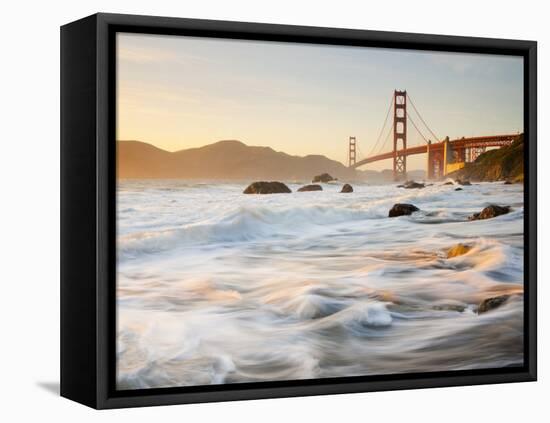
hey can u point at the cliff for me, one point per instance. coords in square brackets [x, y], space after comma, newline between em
[501, 164]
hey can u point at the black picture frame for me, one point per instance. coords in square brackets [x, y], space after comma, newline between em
[88, 160]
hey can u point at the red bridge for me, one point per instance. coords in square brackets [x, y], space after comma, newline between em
[443, 156]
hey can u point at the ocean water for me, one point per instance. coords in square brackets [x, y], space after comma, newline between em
[215, 286]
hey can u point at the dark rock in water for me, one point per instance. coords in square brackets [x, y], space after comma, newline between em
[458, 189]
[347, 188]
[507, 182]
[448, 183]
[402, 210]
[490, 212]
[400, 186]
[491, 303]
[263, 187]
[412, 185]
[461, 182]
[323, 177]
[310, 188]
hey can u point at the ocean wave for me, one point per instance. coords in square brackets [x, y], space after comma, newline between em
[360, 318]
[245, 224]
[301, 301]
[232, 288]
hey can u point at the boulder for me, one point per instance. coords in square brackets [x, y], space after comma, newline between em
[347, 188]
[306, 188]
[458, 189]
[458, 250]
[448, 183]
[508, 182]
[490, 212]
[323, 177]
[412, 185]
[263, 187]
[402, 210]
[461, 182]
[491, 303]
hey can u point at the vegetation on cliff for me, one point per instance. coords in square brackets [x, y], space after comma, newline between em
[504, 164]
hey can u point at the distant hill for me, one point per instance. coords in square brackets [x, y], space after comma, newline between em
[228, 160]
[505, 163]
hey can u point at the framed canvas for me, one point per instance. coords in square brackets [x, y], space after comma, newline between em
[256, 211]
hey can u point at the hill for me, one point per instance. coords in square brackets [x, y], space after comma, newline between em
[229, 159]
[501, 164]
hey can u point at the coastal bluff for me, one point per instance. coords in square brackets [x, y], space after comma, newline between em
[504, 164]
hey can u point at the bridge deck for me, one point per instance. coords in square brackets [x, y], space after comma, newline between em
[472, 142]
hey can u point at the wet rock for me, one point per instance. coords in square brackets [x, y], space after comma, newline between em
[458, 189]
[402, 210]
[491, 303]
[323, 177]
[262, 187]
[448, 183]
[458, 250]
[347, 188]
[461, 182]
[508, 182]
[412, 185]
[310, 188]
[490, 212]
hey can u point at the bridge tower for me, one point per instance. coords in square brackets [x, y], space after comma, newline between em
[435, 161]
[352, 152]
[399, 134]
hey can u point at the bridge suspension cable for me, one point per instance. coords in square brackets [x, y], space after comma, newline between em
[382, 129]
[386, 139]
[422, 119]
[436, 152]
[416, 127]
[359, 150]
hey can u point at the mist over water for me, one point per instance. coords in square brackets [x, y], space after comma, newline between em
[215, 286]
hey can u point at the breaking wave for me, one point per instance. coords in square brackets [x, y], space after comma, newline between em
[218, 287]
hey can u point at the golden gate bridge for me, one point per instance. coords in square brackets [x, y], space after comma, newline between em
[443, 155]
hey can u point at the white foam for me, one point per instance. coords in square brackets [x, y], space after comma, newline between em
[218, 287]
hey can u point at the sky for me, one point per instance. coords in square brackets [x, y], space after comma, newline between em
[180, 92]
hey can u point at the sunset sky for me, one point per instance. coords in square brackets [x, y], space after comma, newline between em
[181, 92]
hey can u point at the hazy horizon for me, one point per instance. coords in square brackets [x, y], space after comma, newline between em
[249, 145]
[178, 93]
